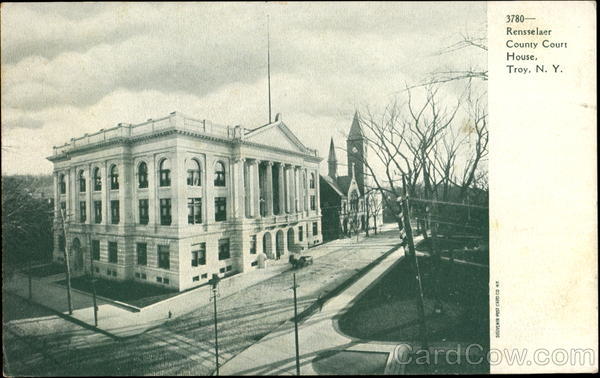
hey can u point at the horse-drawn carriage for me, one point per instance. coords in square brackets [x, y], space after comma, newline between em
[299, 262]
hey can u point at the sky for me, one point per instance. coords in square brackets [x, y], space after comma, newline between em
[70, 69]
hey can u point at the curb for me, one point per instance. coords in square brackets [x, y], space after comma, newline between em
[344, 285]
[70, 318]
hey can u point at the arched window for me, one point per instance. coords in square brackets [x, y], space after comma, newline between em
[219, 174]
[82, 181]
[354, 201]
[62, 184]
[97, 179]
[142, 175]
[165, 173]
[312, 180]
[193, 173]
[114, 177]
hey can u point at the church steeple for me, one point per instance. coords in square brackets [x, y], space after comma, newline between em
[332, 161]
[356, 147]
[355, 129]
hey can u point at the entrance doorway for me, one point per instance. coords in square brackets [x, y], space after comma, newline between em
[279, 247]
[267, 245]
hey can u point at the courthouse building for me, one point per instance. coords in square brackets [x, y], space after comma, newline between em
[174, 200]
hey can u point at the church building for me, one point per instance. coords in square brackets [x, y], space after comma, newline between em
[349, 204]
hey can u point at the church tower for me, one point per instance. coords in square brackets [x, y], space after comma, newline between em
[332, 161]
[356, 145]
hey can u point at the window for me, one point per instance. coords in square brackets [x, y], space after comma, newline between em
[204, 276]
[228, 268]
[165, 173]
[113, 252]
[96, 250]
[193, 173]
[143, 276]
[114, 177]
[82, 215]
[220, 209]
[224, 249]
[62, 184]
[61, 243]
[196, 278]
[315, 228]
[143, 211]
[165, 211]
[253, 244]
[199, 254]
[97, 180]
[159, 279]
[163, 256]
[142, 253]
[82, 181]
[114, 212]
[219, 174]
[98, 211]
[166, 281]
[313, 203]
[312, 180]
[142, 175]
[194, 210]
[300, 233]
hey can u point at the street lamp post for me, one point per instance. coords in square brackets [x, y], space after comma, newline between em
[214, 281]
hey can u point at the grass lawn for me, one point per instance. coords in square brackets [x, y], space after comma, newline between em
[130, 292]
[45, 270]
[466, 249]
[388, 312]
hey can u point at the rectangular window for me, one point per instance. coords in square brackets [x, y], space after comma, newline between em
[113, 252]
[165, 211]
[313, 203]
[165, 177]
[315, 228]
[194, 210]
[96, 250]
[143, 211]
[300, 233]
[98, 211]
[166, 281]
[254, 263]
[228, 268]
[196, 278]
[222, 270]
[142, 254]
[199, 254]
[82, 214]
[82, 183]
[159, 279]
[253, 244]
[137, 275]
[220, 209]
[143, 276]
[224, 249]
[163, 257]
[114, 212]
[97, 182]
[204, 276]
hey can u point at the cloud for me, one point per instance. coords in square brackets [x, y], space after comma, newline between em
[89, 66]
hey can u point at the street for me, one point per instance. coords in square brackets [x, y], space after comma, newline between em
[185, 345]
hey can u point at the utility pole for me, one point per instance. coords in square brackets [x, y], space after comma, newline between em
[296, 328]
[67, 264]
[93, 281]
[214, 281]
[413, 255]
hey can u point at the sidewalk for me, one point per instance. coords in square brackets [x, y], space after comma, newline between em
[124, 321]
[275, 353]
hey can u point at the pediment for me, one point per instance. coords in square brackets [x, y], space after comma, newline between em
[276, 135]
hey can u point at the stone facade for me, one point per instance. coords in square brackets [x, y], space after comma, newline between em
[175, 200]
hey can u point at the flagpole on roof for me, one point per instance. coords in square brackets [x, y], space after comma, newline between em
[269, 64]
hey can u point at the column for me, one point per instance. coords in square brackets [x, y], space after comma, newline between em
[238, 182]
[296, 189]
[286, 187]
[105, 208]
[89, 182]
[317, 191]
[56, 195]
[152, 196]
[305, 189]
[281, 188]
[178, 190]
[269, 188]
[255, 189]
[209, 201]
